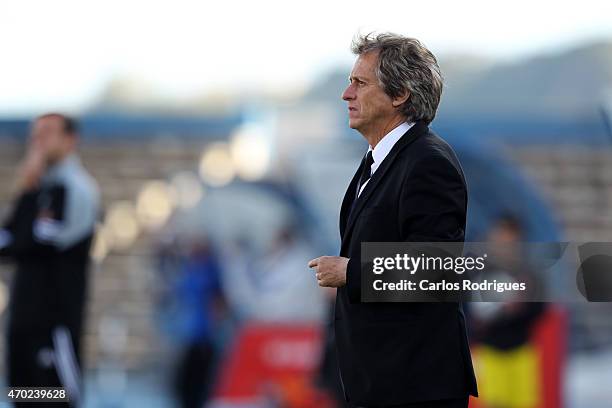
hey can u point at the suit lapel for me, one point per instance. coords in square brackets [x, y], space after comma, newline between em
[418, 129]
[349, 196]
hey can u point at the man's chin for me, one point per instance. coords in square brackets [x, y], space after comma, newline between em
[353, 124]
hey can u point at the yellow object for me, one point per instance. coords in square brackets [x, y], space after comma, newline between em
[508, 378]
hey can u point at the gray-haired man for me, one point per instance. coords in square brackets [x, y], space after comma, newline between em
[409, 187]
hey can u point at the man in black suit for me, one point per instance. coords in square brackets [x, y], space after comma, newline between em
[409, 187]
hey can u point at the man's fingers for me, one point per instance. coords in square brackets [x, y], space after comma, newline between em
[313, 262]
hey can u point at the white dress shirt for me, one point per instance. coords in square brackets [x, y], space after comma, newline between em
[383, 148]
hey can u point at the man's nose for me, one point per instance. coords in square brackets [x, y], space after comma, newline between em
[348, 93]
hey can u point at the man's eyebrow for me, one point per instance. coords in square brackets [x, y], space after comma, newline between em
[357, 77]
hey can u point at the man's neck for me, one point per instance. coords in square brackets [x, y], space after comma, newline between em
[54, 163]
[375, 136]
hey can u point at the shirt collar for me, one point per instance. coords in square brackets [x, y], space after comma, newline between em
[384, 146]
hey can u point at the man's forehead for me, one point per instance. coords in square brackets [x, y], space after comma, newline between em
[365, 65]
[48, 121]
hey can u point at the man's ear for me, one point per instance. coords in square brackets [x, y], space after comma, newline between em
[399, 100]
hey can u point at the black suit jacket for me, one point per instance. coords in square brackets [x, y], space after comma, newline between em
[398, 353]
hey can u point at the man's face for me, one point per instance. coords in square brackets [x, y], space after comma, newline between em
[49, 137]
[505, 244]
[504, 234]
[370, 108]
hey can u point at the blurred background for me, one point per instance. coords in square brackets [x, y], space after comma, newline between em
[219, 140]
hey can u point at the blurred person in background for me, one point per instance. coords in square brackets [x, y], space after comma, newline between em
[48, 234]
[507, 363]
[409, 188]
[197, 309]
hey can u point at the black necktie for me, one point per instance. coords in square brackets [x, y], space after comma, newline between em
[366, 172]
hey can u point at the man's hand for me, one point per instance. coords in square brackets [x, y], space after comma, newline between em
[330, 270]
[31, 170]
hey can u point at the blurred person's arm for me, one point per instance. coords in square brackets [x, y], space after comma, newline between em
[48, 220]
[28, 176]
[28, 228]
[30, 171]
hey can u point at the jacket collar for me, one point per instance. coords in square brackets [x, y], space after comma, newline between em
[417, 130]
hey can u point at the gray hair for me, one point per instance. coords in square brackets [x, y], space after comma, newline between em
[404, 64]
